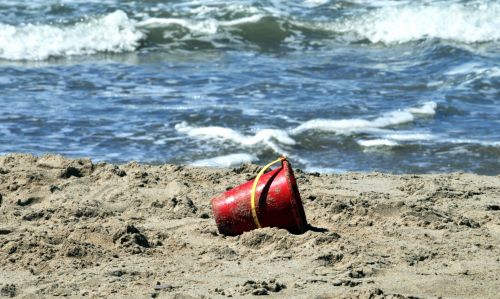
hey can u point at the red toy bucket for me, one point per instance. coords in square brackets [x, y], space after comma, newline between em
[271, 200]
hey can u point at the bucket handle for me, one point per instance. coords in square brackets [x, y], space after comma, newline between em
[254, 188]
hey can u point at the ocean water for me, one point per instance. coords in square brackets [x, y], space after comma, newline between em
[358, 85]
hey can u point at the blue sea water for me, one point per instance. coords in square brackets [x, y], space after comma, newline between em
[358, 85]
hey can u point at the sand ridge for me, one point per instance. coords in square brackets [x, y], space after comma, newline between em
[74, 228]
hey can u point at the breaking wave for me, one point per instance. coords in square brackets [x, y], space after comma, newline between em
[252, 26]
[113, 33]
[465, 23]
[276, 138]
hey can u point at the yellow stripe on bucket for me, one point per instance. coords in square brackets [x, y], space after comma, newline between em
[254, 188]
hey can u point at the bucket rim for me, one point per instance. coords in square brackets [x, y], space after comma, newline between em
[295, 200]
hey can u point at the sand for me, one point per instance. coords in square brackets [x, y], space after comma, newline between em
[76, 228]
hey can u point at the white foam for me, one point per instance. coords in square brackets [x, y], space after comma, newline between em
[275, 138]
[464, 69]
[263, 136]
[474, 68]
[381, 3]
[349, 126]
[428, 108]
[472, 141]
[226, 161]
[114, 32]
[244, 20]
[377, 142]
[211, 8]
[311, 169]
[315, 3]
[463, 22]
[202, 27]
[250, 111]
[409, 136]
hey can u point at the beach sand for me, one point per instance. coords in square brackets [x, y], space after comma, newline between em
[82, 229]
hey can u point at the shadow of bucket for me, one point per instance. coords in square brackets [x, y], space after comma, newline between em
[276, 203]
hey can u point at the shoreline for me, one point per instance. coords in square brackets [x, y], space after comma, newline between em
[70, 227]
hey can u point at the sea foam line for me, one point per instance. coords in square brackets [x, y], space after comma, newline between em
[377, 143]
[356, 125]
[226, 160]
[272, 138]
[204, 27]
[221, 133]
[462, 22]
[114, 33]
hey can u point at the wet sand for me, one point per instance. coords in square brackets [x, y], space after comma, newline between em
[80, 229]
